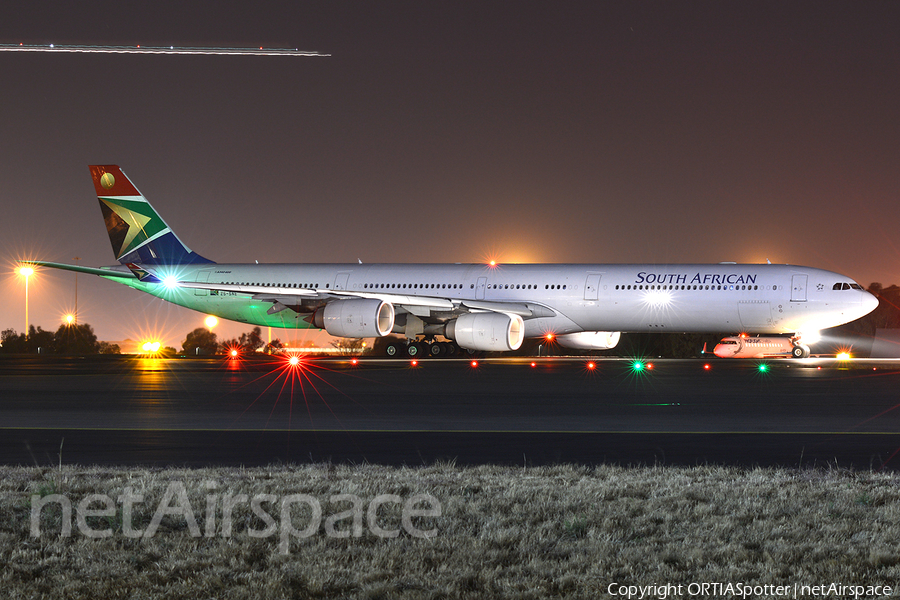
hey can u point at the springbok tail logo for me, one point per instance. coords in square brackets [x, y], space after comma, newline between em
[136, 231]
[130, 224]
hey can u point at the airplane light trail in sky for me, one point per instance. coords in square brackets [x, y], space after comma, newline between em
[156, 50]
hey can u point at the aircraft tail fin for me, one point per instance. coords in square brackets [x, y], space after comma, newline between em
[136, 231]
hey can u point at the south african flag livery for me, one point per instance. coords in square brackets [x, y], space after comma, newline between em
[137, 233]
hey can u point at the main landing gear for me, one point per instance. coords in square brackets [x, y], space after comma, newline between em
[421, 349]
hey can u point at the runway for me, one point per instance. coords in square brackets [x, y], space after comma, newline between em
[137, 411]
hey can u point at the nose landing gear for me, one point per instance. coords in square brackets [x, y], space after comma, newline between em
[799, 350]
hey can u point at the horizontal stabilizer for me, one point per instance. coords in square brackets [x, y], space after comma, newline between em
[102, 272]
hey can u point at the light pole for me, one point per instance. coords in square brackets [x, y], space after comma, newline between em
[26, 272]
[75, 314]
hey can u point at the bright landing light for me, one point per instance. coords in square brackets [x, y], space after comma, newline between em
[211, 321]
[170, 281]
[810, 337]
[26, 271]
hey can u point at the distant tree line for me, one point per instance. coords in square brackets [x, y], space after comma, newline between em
[68, 339]
[203, 341]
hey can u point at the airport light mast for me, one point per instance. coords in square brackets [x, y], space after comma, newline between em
[26, 272]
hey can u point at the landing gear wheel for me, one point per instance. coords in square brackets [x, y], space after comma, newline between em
[800, 352]
[391, 350]
[437, 349]
[414, 349]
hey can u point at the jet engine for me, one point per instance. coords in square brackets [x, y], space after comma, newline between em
[356, 318]
[589, 340]
[487, 331]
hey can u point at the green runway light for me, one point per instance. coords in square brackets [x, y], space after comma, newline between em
[637, 366]
[763, 368]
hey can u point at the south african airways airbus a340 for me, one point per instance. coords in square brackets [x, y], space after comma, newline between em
[477, 307]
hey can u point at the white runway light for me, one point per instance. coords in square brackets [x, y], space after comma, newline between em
[156, 50]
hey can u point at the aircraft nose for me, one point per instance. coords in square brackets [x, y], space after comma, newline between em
[869, 303]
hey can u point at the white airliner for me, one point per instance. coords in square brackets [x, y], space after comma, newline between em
[479, 307]
[745, 346]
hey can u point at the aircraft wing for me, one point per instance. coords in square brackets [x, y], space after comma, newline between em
[250, 289]
[287, 294]
[101, 271]
[422, 306]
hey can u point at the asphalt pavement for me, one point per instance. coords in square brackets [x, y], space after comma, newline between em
[217, 411]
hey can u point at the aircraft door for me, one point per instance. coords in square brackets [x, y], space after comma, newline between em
[592, 286]
[340, 281]
[479, 288]
[202, 277]
[798, 288]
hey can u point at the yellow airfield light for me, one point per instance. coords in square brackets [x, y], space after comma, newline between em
[151, 347]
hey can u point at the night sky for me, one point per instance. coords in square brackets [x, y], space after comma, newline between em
[451, 132]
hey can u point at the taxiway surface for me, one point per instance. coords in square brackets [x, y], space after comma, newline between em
[131, 411]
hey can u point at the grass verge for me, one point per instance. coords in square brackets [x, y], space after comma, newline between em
[502, 532]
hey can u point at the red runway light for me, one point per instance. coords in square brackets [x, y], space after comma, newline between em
[414, 363]
[533, 364]
[474, 363]
[354, 361]
[649, 365]
[707, 367]
[591, 365]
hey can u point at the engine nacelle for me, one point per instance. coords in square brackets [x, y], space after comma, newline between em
[488, 331]
[357, 318]
[589, 340]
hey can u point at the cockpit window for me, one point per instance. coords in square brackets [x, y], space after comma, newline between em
[728, 343]
[846, 286]
[856, 286]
